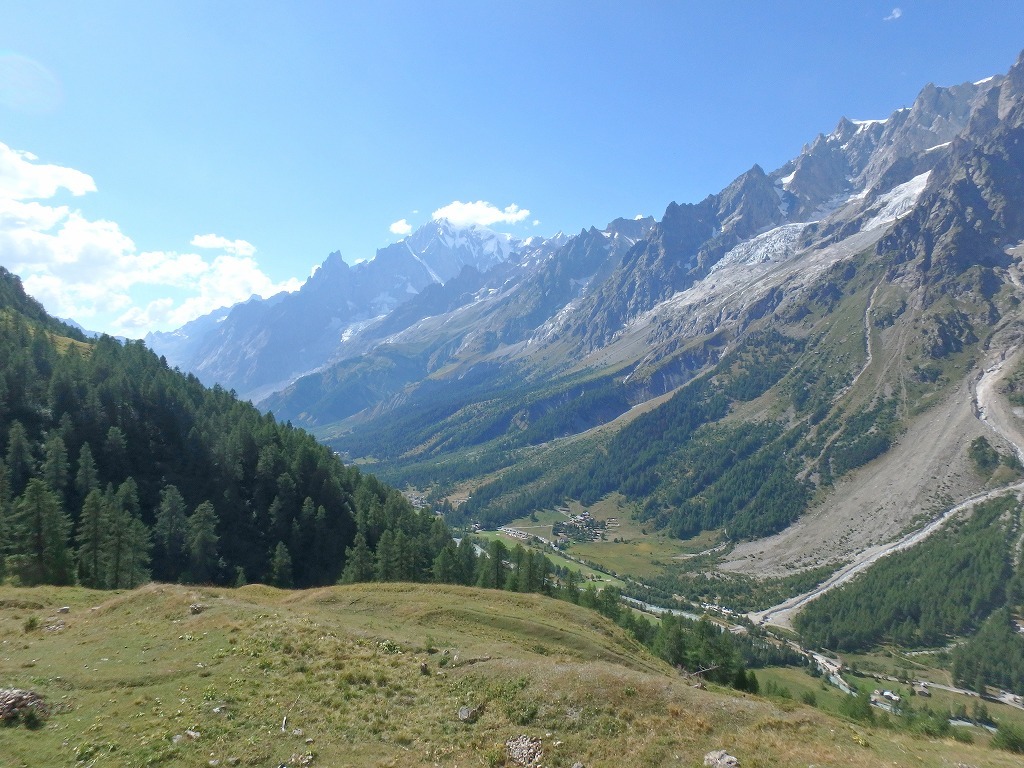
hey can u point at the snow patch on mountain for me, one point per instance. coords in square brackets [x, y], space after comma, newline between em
[433, 275]
[777, 244]
[898, 202]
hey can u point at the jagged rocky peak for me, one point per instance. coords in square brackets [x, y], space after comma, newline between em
[1011, 93]
[816, 177]
[632, 229]
[937, 116]
[748, 205]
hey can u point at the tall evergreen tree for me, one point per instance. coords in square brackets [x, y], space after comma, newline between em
[5, 517]
[55, 465]
[20, 463]
[169, 531]
[281, 566]
[91, 540]
[386, 566]
[126, 547]
[359, 564]
[115, 454]
[201, 542]
[467, 561]
[86, 478]
[41, 537]
[491, 569]
[446, 565]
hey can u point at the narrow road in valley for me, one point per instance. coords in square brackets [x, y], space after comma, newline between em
[782, 614]
[993, 411]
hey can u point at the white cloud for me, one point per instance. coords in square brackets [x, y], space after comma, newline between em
[21, 178]
[481, 212]
[237, 247]
[228, 280]
[638, 217]
[91, 271]
[896, 14]
[536, 222]
[400, 227]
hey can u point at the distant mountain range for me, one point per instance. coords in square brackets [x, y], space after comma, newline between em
[823, 306]
[262, 344]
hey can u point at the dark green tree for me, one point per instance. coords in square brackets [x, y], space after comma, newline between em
[55, 465]
[115, 454]
[127, 542]
[41, 537]
[20, 463]
[446, 567]
[281, 566]
[386, 565]
[91, 540]
[491, 568]
[201, 541]
[359, 564]
[86, 478]
[169, 531]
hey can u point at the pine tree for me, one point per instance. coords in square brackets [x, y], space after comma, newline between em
[41, 537]
[115, 454]
[385, 560]
[55, 466]
[91, 540]
[359, 564]
[201, 542]
[20, 463]
[491, 570]
[140, 541]
[170, 529]
[281, 566]
[126, 548]
[446, 565]
[5, 516]
[86, 478]
[467, 561]
[571, 586]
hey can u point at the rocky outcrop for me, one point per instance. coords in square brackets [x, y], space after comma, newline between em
[18, 705]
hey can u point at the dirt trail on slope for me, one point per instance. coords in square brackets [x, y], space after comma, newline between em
[976, 404]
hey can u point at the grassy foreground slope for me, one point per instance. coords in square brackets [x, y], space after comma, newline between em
[137, 678]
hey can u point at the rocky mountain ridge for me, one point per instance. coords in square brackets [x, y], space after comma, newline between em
[262, 344]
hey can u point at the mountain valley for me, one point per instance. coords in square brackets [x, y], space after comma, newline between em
[632, 491]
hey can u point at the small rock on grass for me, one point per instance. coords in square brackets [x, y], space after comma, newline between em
[719, 758]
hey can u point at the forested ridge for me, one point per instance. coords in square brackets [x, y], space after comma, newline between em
[946, 586]
[117, 469]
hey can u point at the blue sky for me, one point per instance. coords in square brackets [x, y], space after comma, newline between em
[162, 158]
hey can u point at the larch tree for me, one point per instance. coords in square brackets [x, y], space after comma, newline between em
[201, 542]
[41, 530]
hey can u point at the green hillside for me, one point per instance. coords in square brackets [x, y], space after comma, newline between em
[376, 675]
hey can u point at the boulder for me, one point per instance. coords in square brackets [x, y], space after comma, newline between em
[720, 759]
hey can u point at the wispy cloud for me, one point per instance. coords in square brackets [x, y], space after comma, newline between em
[401, 227]
[896, 13]
[91, 271]
[481, 212]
